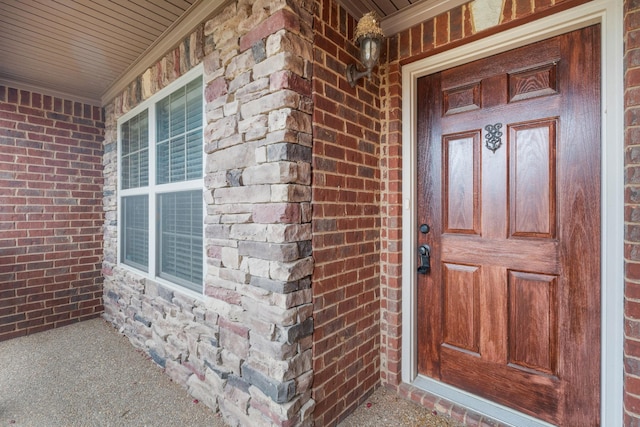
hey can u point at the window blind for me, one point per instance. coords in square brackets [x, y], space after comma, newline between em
[135, 231]
[134, 160]
[180, 238]
[179, 133]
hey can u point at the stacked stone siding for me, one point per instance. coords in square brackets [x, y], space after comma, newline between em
[50, 211]
[244, 347]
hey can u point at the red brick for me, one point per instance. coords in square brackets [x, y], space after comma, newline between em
[632, 403]
[30, 323]
[632, 384]
[455, 24]
[25, 97]
[12, 95]
[468, 21]
[632, 348]
[11, 334]
[507, 11]
[416, 38]
[442, 29]
[9, 116]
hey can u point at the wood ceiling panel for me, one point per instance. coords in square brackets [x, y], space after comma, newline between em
[115, 17]
[357, 8]
[183, 4]
[56, 60]
[400, 4]
[163, 8]
[58, 80]
[80, 46]
[387, 7]
[57, 40]
[71, 28]
[72, 69]
[127, 7]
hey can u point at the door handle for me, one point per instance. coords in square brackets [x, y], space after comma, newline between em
[425, 259]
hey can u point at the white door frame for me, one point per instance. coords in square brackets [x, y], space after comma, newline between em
[609, 14]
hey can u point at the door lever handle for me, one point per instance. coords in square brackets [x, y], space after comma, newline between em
[425, 259]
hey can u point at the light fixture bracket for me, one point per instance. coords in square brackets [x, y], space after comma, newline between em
[353, 75]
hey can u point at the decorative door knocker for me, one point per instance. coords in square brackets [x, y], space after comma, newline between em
[493, 136]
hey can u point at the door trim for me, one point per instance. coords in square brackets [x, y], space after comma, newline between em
[609, 14]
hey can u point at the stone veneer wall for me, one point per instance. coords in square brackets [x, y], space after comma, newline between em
[245, 346]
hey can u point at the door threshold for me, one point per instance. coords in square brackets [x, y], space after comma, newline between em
[477, 404]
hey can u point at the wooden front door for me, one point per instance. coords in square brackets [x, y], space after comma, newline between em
[509, 185]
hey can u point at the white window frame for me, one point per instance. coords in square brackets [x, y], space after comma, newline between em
[153, 190]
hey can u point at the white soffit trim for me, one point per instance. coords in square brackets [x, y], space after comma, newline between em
[198, 12]
[610, 15]
[416, 14]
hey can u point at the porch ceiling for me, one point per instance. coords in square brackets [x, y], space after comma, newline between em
[82, 49]
[79, 47]
[383, 8]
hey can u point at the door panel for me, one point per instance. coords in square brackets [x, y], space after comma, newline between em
[461, 182]
[509, 180]
[531, 83]
[462, 307]
[532, 179]
[533, 327]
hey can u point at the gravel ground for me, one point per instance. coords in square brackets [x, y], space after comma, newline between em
[384, 408]
[87, 374]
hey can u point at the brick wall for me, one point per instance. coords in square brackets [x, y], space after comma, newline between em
[50, 212]
[244, 346]
[632, 213]
[346, 222]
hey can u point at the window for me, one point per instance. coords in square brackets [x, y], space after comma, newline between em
[160, 186]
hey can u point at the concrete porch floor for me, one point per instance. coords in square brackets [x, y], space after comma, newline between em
[87, 374]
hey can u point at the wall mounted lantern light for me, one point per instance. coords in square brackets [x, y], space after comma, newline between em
[369, 36]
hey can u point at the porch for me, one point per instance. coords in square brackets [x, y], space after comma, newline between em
[304, 289]
[110, 383]
[85, 374]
